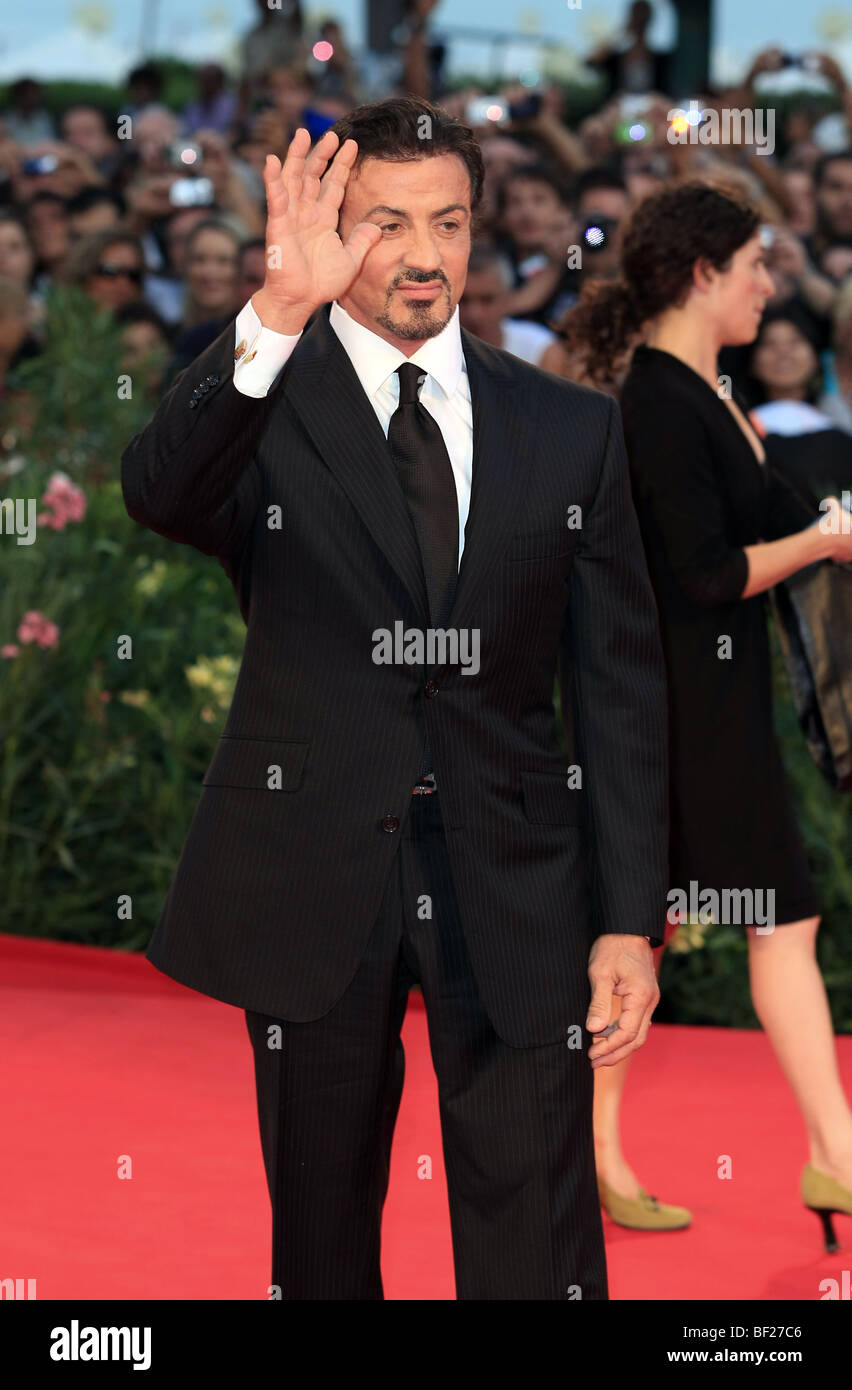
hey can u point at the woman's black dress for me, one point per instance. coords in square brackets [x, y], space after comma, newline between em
[701, 496]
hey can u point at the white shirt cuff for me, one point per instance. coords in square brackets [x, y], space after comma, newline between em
[260, 353]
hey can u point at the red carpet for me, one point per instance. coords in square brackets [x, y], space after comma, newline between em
[107, 1062]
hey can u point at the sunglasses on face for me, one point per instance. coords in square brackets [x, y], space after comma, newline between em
[112, 272]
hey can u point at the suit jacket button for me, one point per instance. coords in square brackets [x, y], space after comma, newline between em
[430, 689]
[390, 824]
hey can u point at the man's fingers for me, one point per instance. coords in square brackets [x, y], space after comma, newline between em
[336, 176]
[633, 1026]
[294, 163]
[601, 1006]
[361, 239]
[277, 199]
[610, 1059]
[315, 165]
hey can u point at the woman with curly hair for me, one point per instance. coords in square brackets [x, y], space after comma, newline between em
[719, 530]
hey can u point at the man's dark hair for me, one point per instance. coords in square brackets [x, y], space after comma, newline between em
[87, 254]
[148, 73]
[599, 176]
[141, 312]
[412, 128]
[93, 195]
[485, 257]
[22, 86]
[533, 173]
[825, 161]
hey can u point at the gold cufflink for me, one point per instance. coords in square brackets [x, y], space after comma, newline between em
[250, 357]
[240, 349]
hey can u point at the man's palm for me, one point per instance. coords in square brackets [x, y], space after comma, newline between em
[307, 263]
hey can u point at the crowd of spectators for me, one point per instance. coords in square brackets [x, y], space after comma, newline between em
[157, 215]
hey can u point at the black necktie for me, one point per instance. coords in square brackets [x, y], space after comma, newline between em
[426, 476]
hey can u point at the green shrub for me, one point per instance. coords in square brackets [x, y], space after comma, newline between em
[101, 758]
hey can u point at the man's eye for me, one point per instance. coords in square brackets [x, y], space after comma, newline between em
[452, 225]
[389, 226]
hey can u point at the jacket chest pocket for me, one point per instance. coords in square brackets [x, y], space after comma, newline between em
[262, 763]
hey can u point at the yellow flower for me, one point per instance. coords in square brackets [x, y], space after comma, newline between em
[200, 675]
[216, 674]
[151, 581]
[137, 698]
[689, 936]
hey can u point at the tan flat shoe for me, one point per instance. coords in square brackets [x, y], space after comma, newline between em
[642, 1213]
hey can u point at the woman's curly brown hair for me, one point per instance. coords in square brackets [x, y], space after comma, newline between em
[667, 233]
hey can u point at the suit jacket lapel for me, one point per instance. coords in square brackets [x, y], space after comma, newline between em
[502, 414]
[324, 390]
[322, 387]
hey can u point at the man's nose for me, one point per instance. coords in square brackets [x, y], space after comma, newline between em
[423, 252]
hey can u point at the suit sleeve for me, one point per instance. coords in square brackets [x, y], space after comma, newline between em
[190, 474]
[613, 651]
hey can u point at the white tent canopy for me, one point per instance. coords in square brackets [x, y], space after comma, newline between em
[71, 55]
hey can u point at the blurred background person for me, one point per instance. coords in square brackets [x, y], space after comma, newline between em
[483, 304]
[215, 107]
[144, 89]
[629, 64]
[251, 268]
[47, 223]
[535, 228]
[110, 267]
[211, 273]
[96, 209]
[87, 128]
[24, 116]
[17, 341]
[17, 254]
[146, 347]
[212, 252]
[836, 400]
[802, 441]
[275, 40]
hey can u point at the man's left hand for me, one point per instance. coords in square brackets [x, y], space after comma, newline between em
[621, 965]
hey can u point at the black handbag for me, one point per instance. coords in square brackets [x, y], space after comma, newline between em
[813, 612]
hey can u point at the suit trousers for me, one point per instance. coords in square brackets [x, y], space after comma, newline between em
[516, 1123]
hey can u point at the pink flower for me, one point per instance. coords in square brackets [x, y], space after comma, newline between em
[10, 649]
[67, 501]
[35, 627]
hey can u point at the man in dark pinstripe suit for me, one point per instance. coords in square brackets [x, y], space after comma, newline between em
[378, 812]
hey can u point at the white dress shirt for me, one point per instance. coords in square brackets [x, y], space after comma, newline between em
[445, 393]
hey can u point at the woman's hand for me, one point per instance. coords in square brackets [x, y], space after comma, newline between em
[836, 522]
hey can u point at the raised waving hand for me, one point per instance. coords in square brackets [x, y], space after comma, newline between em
[307, 264]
